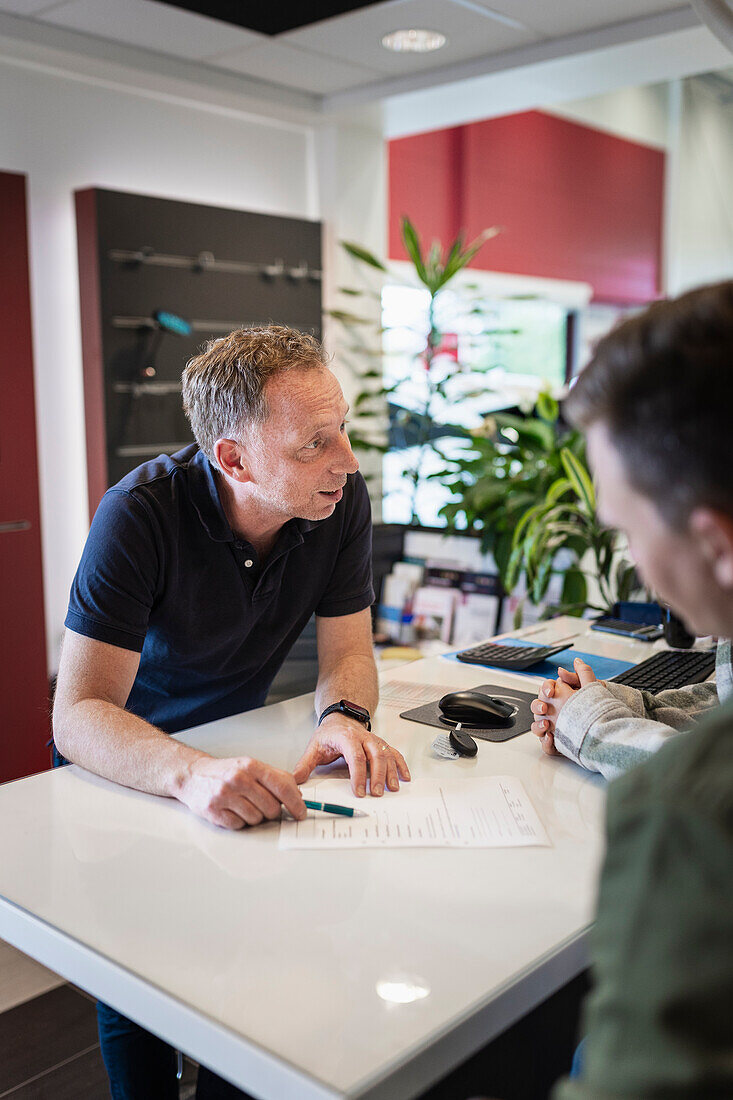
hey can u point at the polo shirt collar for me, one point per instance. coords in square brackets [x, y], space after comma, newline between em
[206, 499]
[207, 502]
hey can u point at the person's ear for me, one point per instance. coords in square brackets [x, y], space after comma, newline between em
[231, 458]
[713, 531]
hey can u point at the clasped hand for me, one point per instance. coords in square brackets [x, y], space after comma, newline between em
[552, 697]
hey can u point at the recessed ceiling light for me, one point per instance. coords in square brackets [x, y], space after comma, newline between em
[414, 41]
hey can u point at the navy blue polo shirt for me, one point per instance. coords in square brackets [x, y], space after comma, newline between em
[163, 574]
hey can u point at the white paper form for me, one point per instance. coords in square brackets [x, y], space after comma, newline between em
[403, 693]
[493, 812]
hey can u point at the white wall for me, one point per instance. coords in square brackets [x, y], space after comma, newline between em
[351, 158]
[639, 114]
[68, 133]
[700, 244]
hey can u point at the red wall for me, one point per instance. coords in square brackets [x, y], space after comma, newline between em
[574, 203]
[24, 722]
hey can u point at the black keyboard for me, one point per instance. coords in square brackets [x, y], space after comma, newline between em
[516, 658]
[669, 668]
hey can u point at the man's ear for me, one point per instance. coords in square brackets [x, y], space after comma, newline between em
[231, 457]
[714, 533]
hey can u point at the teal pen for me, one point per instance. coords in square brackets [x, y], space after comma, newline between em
[332, 808]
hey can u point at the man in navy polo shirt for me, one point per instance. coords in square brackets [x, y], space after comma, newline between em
[199, 573]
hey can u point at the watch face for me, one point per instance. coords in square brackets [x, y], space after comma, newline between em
[354, 709]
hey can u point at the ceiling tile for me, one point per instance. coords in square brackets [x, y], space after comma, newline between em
[295, 68]
[564, 17]
[357, 37]
[150, 25]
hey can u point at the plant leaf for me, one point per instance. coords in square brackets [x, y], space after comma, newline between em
[487, 492]
[627, 580]
[547, 407]
[347, 318]
[502, 549]
[513, 568]
[580, 478]
[523, 523]
[557, 490]
[542, 579]
[574, 589]
[363, 254]
[432, 263]
[454, 251]
[529, 429]
[463, 258]
[412, 245]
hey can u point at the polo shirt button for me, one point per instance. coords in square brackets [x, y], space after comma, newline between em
[249, 563]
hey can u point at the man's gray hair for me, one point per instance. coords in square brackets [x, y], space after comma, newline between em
[223, 387]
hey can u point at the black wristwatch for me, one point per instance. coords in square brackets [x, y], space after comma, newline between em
[351, 710]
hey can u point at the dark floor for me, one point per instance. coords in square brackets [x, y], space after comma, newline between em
[49, 1050]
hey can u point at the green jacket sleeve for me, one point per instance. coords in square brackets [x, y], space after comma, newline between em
[659, 1024]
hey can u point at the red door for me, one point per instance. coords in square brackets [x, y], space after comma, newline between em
[24, 705]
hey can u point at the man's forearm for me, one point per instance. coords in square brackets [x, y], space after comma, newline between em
[112, 742]
[353, 678]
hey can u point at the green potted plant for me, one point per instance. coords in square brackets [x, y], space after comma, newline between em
[523, 485]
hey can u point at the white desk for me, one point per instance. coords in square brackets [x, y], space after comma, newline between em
[264, 964]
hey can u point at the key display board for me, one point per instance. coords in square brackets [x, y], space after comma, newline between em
[158, 278]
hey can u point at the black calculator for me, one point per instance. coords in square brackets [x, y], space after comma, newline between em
[515, 658]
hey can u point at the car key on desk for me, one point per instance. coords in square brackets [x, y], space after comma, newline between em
[462, 742]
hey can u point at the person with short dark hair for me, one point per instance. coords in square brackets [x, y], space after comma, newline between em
[654, 402]
[199, 573]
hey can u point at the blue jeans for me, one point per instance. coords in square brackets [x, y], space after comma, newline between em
[140, 1066]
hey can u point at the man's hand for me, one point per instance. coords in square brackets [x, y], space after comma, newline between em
[552, 697]
[239, 791]
[363, 751]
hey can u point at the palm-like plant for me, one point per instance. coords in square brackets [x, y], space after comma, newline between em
[434, 269]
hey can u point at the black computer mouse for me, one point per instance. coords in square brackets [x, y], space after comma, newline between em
[473, 708]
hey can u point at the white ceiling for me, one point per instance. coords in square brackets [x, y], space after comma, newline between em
[343, 57]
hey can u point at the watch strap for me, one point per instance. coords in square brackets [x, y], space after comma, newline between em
[343, 707]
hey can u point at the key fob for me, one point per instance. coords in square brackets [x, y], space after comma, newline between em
[463, 743]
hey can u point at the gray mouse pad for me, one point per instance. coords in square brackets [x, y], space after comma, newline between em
[429, 713]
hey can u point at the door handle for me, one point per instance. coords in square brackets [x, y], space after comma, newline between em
[15, 525]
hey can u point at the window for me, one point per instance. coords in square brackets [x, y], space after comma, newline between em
[495, 353]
